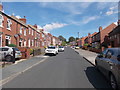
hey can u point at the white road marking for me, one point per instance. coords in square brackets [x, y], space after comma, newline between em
[4, 81]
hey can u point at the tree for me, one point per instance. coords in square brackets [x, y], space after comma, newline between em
[77, 39]
[62, 38]
[63, 43]
[71, 39]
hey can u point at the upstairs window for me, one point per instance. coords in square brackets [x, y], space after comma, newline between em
[24, 31]
[29, 31]
[9, 24]
[32, 32]
[21, 30]
[1, 20]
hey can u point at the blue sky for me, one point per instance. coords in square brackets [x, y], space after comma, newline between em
[65, 18]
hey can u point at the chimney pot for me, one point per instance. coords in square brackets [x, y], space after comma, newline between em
[119, 22]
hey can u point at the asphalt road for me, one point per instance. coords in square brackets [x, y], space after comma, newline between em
[66, 70]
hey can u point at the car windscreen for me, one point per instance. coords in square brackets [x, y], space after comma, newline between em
[51, 47]
[16, 49]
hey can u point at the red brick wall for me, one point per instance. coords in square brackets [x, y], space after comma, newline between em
[106, 31]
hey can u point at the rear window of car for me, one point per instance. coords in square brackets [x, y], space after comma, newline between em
[51, 47]
[4, 49]
[60, 47]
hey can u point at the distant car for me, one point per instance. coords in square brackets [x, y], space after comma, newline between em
[6, 53]
[61, 48]
[108, 62]
[51, 50]
[77, 47]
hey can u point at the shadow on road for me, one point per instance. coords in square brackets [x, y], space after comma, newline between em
[97, 79]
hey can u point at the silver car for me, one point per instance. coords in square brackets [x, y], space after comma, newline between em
[108, 62]
[6, 53]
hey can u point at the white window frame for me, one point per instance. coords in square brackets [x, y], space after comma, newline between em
[25, 31]
[9, 23]
[8, 38]
[29, 31]
[1, 20]
[29, 43]
[21, 28]
[21, 42]
[32, 42]
[32, 32]
[25, 43]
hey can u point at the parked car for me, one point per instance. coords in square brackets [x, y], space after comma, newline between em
[61, 48]
[6, 53]
[51, 50]
[77, 47]
[108, 62]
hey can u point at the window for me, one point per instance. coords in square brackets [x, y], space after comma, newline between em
[29, 31]
[32, 42]
[29, 43]
[21, 30]
[20, 43]
[32, 32]
[25, 43]
[1, 20]
[24, 31]
[9, 24]
[109, 54]
[5, 49]
[7, 40]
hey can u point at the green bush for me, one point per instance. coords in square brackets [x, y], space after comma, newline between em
[12, 45]
[31, 51]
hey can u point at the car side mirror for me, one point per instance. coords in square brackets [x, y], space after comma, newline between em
[99, 55]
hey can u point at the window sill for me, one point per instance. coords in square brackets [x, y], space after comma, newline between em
[9, 29]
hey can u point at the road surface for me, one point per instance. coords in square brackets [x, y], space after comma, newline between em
[66, 70]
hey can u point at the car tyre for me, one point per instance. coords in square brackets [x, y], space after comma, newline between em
[8, 58]
[113, 82]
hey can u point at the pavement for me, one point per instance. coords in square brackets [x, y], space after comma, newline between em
[88, 55]
[18, 67]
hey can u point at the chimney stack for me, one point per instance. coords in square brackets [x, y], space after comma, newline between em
[35, 26]
[23, 19]
[100, 28]
[1, 6]
[118, 22]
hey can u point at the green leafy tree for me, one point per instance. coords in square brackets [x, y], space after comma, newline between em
[71, 39]
[62, 38]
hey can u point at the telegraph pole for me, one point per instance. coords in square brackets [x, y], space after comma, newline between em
[78, 39]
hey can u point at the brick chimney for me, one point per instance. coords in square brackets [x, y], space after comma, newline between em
[118, 22]
[100, 28]
[35, 26]
[23, 19]
[1, 6]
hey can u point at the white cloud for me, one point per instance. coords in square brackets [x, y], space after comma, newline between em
[49, 27]
[112, 10]
[60, 0]
[89, 19]
[70, 8]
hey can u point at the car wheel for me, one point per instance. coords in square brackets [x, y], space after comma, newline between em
[113, 82]
[8, 58]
